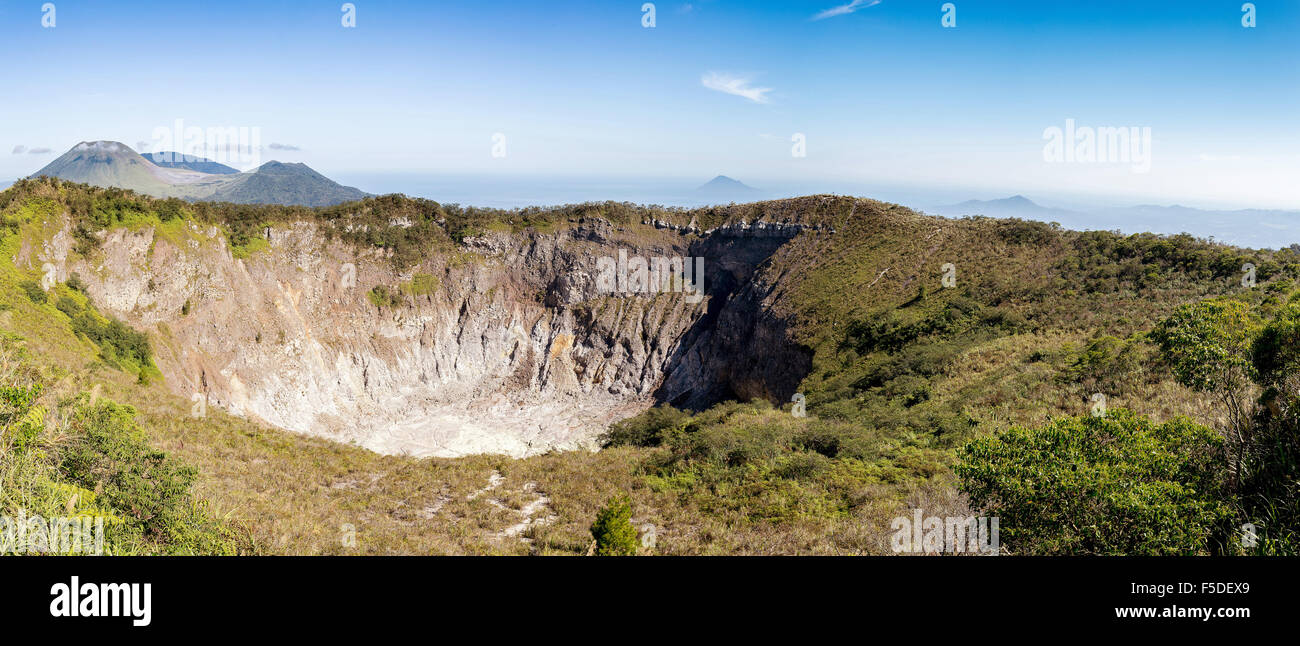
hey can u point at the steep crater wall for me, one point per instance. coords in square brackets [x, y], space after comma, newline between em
[513, 349]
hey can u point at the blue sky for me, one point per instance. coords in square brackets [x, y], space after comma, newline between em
[889, 100]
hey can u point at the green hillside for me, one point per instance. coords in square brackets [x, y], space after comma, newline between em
[962, 396]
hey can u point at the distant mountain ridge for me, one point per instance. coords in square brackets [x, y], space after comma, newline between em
[112, 164]
[1254, 228]
[1016, 206]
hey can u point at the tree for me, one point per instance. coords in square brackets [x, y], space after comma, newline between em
[1213, 346]
[1118, 484]
[613, 530]
[1209, 347]
[1270, 491]
[1275, 353]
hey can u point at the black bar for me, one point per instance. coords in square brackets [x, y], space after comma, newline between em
[941, 597]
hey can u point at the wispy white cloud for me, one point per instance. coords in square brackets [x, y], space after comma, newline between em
[846, 9]
[736, 85]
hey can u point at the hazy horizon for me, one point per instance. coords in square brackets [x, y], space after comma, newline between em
[920, 113]
[516, 191]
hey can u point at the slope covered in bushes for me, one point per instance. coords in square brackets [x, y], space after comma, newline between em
[926, 334]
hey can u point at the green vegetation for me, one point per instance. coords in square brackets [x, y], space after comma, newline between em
[613, 530]
[243, 246]
[82, 457]
[1122, 485]
[1110, 364]
[404, 228]
[1208, 347]
[75, 283]
[1220, 347]
[382, 296]
[147, 490]
[650, 428]
[913, 383]
[420, 285]
[1117, 484]
[119, 345]
[34, 291]
[765, 465]
[919, 395]
[1269, 489]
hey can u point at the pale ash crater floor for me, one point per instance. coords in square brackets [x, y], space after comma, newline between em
[504, 427]
[482, 365]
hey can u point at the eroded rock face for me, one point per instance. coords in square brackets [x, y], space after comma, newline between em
[740, 349]
[515, 350]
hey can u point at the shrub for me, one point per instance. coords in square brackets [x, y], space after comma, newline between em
[16, 404]
[34, 291]
[149, 490]
[613, 530]
[382, 296]
[75, 282]
[1026, 232]
[650, 428]
[421, 285]
[897, 329]
[1209, 346]
[118, 343]
[75, 457]
[1270, 491]
[1109, 363]
[1101, 485]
